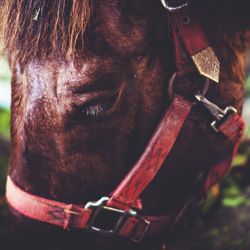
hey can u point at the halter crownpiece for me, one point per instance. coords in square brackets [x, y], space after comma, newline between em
[191, 41]
[124, 205]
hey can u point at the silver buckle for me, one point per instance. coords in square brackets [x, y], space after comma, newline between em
[218, 113]
[100, 206]
[228, 110]
[176, 7]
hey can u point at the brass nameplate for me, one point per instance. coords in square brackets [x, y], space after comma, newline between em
[208, 64]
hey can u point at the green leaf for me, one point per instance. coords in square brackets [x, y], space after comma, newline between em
[235, 202]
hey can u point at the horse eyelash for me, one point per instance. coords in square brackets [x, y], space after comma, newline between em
[95, 111]
[99, 109]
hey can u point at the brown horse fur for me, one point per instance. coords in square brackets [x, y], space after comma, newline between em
[71, 146]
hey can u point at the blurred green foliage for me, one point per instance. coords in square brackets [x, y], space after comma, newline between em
[4, 112]
[247, 86]
[5, 123]
[232, 195]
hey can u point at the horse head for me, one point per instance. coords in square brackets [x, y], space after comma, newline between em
[90, 85]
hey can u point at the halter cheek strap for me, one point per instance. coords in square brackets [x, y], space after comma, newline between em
[159, 147]
[124, 205]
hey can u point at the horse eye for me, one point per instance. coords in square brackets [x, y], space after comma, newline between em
[98, 109]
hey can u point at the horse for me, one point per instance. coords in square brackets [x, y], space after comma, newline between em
[91, 81]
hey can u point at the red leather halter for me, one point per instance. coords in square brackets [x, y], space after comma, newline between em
[124, 203]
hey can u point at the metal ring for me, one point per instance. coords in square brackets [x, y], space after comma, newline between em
[171, 86]
[172, 8]
[206, 86]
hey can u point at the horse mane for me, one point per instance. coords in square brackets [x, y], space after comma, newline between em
[38, 28]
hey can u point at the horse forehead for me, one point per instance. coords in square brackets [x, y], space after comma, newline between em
[61, 72]
[48, 80]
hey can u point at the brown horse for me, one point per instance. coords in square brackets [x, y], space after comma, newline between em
[89, 86]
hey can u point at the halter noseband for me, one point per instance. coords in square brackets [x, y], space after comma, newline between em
[124, 203]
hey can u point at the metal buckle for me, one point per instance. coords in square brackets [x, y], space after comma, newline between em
[139, 238]
[175, 7]
[218, 113]
[228, 110]
[99, 207]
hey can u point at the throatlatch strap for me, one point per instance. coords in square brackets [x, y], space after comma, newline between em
[158, 149]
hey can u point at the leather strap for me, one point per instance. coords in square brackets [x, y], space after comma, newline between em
[126, 196]
[77, 216]
[190, 42]
[127, 193]
[192, 48]
[233, 129]
[45, 210]
[190, 33]
[158, 149]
